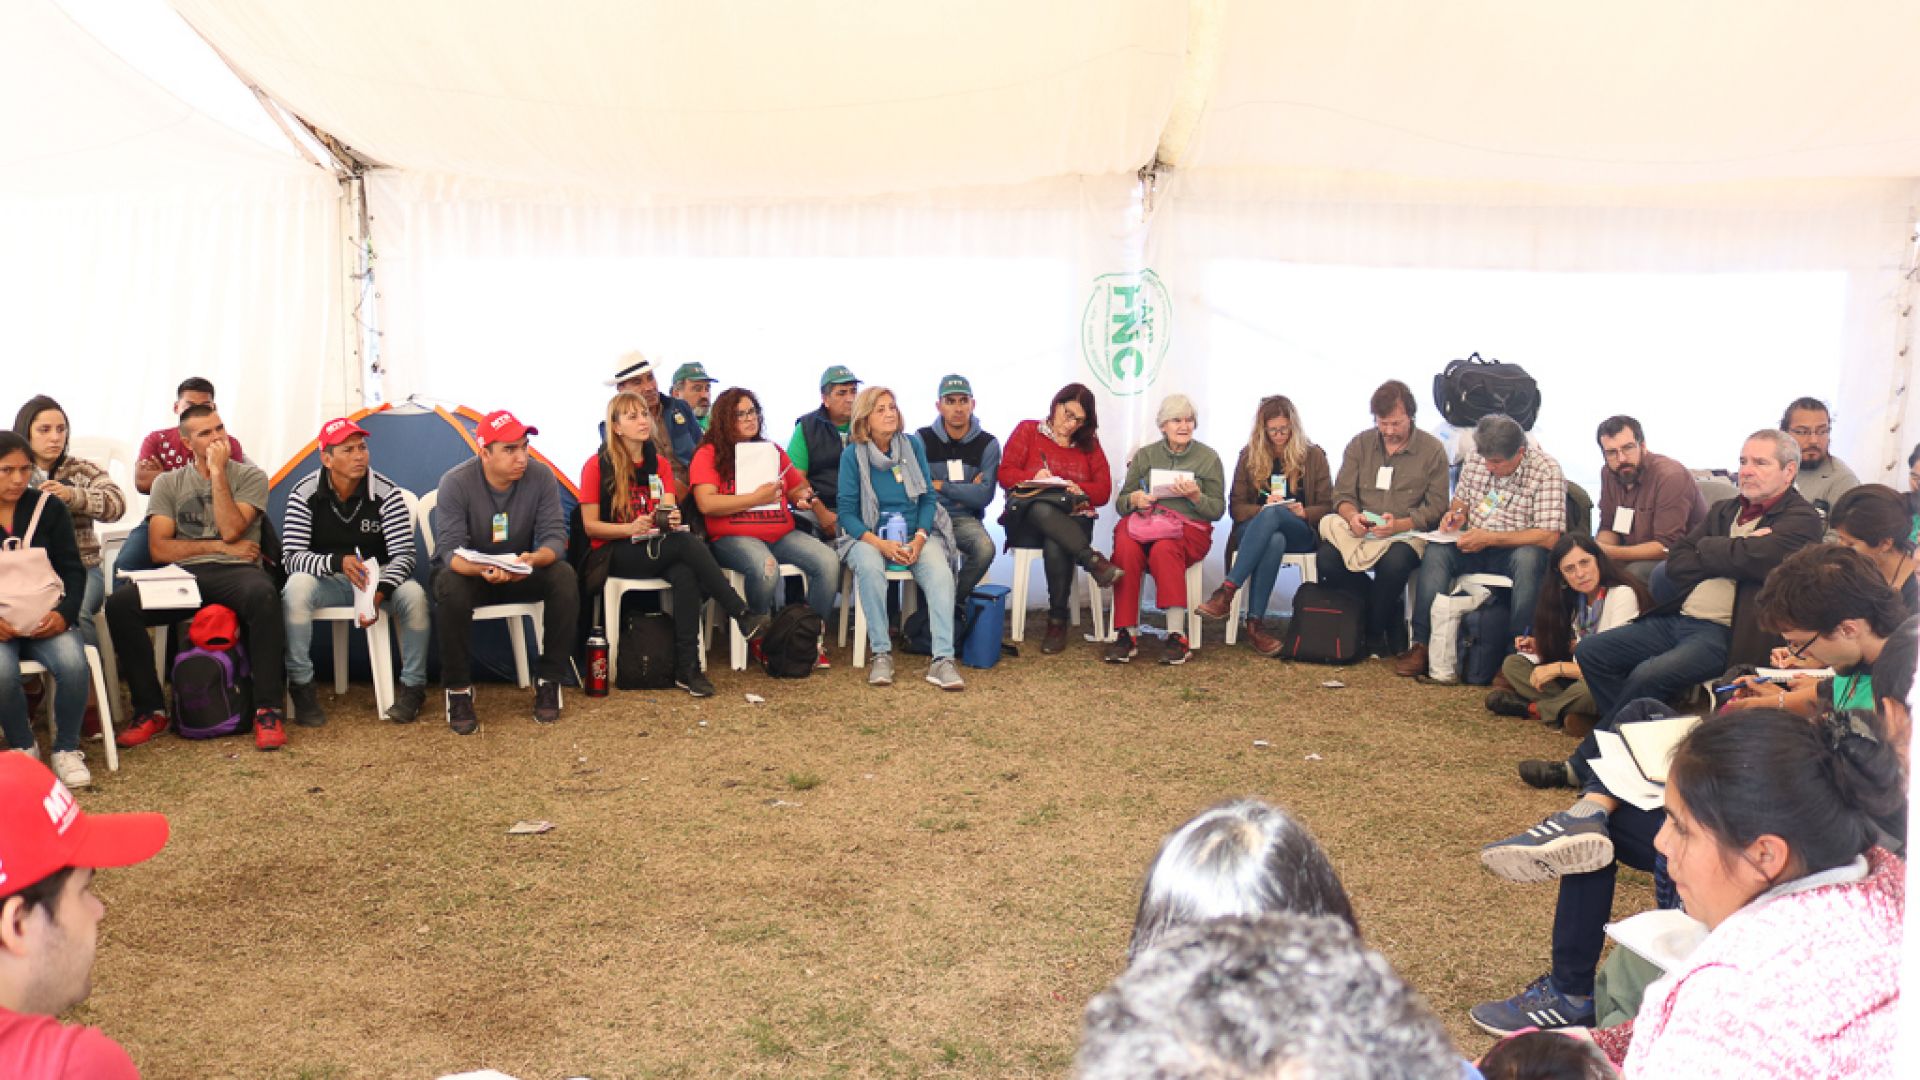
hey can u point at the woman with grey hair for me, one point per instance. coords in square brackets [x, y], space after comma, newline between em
[1174, 491]
[1243, 857]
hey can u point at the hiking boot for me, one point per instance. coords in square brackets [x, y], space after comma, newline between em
[752, 626]
[1507, 703]
[1538, 1006]
[1122, 649]
[306, 705]
[880, 669]
[1102, 570]
[71, 767]
[145, 727]
[1547, 774]
[1175, 650]
[546, 701]
[1412, 662]
[943, 674]
[1263, 643]
[1220, 603]
[1560, 845]
[269, 729]
[406, 704]
[1055, 640]
[460, 715]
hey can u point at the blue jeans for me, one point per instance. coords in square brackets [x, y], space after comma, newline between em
[1586, 900]
[1655, 656]
[1257, 555]
[135, 552]
[90, 601]
[66, 658]
[976, 554]
[757, 562]
[930, 572]
[407, 607]
[1527, 566]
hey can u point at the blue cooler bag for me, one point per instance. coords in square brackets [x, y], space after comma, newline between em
[986, 619]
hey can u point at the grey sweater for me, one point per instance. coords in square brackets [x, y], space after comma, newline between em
[464, 516]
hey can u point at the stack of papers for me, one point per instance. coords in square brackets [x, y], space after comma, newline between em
[1436, 537]
[364, 607]
[755, 465]
[166, 588]
[1633, 761]
[509, 563]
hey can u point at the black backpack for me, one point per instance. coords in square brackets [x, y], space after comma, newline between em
[1485, 640]
[646, 652]
[791, 645]
[1469, 389]
[1326, 627]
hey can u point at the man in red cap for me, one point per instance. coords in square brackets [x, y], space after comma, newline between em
[502, 503]
[339, 517]
[50, 920]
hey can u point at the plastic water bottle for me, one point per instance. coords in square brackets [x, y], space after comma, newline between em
[895, 529]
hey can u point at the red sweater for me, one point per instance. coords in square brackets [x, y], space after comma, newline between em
[1028, 452]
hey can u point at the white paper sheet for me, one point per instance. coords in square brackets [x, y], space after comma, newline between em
[1160, 481]
[1616, 770]
[165, 588]
[1662, 938]
[505, 562]
[756, 464]
[364, 607]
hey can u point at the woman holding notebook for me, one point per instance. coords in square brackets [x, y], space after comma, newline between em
[1587, 594]
[1174, 491]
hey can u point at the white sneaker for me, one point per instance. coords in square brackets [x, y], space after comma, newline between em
[31, 751]
[71, 767]
[944, 675]
[880, 669]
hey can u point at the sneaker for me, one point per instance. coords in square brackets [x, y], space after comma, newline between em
[943, 674]
[694, 682]
[1538, 1006]
[306, 705]
[406, 704]
[1561, 845]
[71, 767]
[1263, 643]
[1175, 650]
[1547, 774]
[460, 715]
[880, 669]
[1122, 649]
[1507, 703]
[752, 627]
[1103, 571]
[822, 662]
[269, 730]
[146, 727]
[1055, 641]
[31, 751]
[1220, 603]
[546, 701]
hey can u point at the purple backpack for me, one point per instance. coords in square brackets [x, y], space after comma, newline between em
[212, 692]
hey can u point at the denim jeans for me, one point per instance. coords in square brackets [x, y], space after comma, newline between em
[1527, 566]
[930, 571]
[407, 608]
[65, 657]
[976, 555]
[757, 562]
[90, 602]
[1259, 544]
[1655, 656]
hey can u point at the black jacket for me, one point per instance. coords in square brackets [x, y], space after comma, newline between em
[1711, 552]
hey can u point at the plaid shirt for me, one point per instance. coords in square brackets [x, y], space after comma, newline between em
[1533, 497]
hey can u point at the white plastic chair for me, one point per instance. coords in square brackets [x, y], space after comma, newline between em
[379, 635]
[1303, 561]
[1023, 560]
[610, 597]
[119, 460]
[908, 594]
[34, 667]
[738, 657]
[512, 613]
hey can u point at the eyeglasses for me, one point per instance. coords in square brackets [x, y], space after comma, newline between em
[746, 414]
[1800, 650]
[1823, 431]
[1278, 432]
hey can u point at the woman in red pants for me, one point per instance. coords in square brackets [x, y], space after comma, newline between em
[1175, 490]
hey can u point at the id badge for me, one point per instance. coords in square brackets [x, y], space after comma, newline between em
[898, 476]
[1623, 520]
[500, 528]
[1384, 478]
[956, 471]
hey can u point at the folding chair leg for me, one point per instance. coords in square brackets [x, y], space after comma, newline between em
[106, 715]
[517, 634]
[340, 646]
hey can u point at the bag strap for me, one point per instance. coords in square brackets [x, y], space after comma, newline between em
[33, 523]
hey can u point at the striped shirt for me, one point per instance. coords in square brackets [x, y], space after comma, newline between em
[320, 531]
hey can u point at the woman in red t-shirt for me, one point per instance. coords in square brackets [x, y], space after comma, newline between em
[754, 532]
[1063, 447]
[628, 506]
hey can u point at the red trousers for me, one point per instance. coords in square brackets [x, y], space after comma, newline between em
[1167, 560]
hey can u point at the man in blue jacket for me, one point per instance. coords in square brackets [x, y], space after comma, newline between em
[965, 462]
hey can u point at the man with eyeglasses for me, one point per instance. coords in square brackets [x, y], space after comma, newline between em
[1823, 477]
[1648, 502]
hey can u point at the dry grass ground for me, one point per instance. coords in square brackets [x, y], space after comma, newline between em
[839, 882]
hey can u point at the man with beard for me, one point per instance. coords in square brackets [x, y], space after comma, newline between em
[693, 385]
[1648, 501]
[676, 429]
[1823, 477]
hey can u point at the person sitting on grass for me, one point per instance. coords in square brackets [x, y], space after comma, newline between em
[50, 921]
[1242, 857]
[40, 626]
[884, 478]
[1588, 594]
[1163, 530]
[1282, 487]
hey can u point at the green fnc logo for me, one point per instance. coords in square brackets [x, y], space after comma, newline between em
[1125, 330]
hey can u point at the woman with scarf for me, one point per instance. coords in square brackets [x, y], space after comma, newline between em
[1587, 595]
[883, 481]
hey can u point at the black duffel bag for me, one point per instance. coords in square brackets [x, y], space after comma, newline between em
[1469, 389]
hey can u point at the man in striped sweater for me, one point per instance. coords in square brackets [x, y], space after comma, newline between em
[340, 518]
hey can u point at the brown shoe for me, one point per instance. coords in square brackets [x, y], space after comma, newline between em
[1219, 603]
[1263, 643]
[1102, 568]
[1500, 682]
[1412, 662]
[1578, 725]
[1056, 639]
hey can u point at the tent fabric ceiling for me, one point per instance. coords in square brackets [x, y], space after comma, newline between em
[726, 100]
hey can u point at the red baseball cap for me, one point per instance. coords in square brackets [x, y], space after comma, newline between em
[215, 627]
[43, 831]
[336, 431]
[501, 426]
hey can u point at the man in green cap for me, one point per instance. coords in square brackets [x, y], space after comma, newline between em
[693, 385]
[966, 462]
[818, 438]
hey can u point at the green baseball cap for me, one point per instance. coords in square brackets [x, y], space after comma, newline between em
[695, 371]
[835, 375]
[955, 384]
